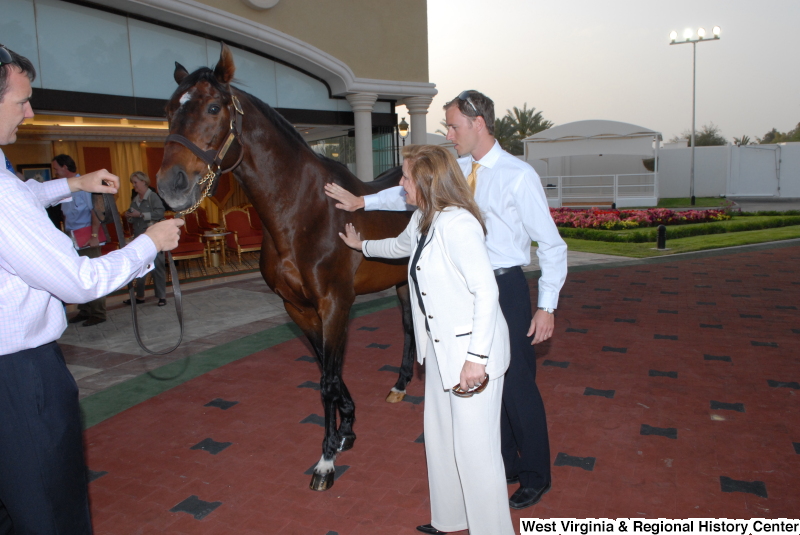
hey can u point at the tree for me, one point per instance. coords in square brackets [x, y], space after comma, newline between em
[525, 122]
[744, 140]
[504, 132]
[773, 136]
[709, 135]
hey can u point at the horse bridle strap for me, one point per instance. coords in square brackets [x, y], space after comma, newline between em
[111, 206]
[213, 160]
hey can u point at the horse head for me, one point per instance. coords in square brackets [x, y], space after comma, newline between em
[204, 121]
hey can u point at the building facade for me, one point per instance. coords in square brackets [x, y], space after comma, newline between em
[335, 70]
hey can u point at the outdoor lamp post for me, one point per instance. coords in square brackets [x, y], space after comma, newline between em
[403, 129]
[687, 38]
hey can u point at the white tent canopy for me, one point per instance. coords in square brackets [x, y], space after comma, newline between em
[606, 186]
[591, 137]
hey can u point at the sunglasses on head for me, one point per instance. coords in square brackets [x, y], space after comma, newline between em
[5, 56]
[464, 95]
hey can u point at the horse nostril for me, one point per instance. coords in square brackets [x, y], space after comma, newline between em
[181, 180]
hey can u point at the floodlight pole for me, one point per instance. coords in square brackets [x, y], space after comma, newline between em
[694, 94]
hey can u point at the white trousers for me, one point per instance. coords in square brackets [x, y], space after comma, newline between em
[466, 476]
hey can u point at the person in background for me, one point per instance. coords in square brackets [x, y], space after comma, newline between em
[461, 336]
[146, 209]
[510, 195]
[78, 214]
[43, 487]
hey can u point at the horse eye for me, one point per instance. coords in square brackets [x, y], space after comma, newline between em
[213, 109]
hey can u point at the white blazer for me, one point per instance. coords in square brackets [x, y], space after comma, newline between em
[458, 289]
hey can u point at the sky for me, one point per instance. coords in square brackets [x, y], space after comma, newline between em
[611, 59]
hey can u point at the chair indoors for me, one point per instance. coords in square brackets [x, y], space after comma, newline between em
[242, 238]
[190, 246]
[202, 220]
[255, 221]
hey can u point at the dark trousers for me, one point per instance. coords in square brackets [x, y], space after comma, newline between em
[96, 308]
[523, 425]
[43, 487]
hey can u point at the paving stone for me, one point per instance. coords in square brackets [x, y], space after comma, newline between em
[601, 393]
[722, 406]
[211, 446]
[656, 373]
[751, 487]
[315, 419]
[668, 432]
[221, 404]
[196, 507]
[586, 463]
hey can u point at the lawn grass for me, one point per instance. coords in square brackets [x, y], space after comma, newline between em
[685, 245]
[686, 202]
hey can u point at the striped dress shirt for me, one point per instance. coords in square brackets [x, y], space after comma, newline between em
[39, 268]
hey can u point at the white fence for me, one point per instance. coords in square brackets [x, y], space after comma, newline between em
[622, 191]
[769, 171]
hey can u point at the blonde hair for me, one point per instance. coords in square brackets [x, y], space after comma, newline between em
[139, 175]
[440, 183]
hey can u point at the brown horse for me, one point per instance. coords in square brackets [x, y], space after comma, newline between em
[302, 258]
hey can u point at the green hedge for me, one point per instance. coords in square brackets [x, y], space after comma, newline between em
[650, 234]
[765, 212]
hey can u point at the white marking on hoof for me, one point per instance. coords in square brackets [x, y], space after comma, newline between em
[323, 466]
[394, 389]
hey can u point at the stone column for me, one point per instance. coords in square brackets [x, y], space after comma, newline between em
[418, 109]
[362, 104]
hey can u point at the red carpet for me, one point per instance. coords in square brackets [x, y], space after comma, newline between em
[671, 391]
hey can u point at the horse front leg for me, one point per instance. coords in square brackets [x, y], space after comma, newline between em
[335, 396]
[398, 391]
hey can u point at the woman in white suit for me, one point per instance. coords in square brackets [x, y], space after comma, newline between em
[462, 337]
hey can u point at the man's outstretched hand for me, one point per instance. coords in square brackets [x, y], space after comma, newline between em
[347, 201]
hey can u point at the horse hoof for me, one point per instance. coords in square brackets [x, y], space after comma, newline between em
[346, 442]
[321, 482]
[395, 397]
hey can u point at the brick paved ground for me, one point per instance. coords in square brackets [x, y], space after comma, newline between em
[671, 389]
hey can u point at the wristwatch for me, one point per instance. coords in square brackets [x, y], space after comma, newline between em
[548, 310]
[94, 235]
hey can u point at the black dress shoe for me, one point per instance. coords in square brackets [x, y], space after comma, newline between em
[526, 496]
[93, 321]
[427, 528]
[511, 480]
[79, 318]
[128, 301]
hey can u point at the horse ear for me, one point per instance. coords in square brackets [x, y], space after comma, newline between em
[180, 73]
[225, 67]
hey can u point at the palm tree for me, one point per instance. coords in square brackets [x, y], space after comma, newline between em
[525, 122]
[504, 132]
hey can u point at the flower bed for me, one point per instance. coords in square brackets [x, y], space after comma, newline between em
[630, 219]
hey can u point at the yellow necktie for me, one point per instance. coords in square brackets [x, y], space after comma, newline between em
[472, 179]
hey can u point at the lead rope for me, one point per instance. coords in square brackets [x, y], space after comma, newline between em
[110, 205]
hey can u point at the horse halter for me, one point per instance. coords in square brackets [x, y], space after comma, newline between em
[214, 161]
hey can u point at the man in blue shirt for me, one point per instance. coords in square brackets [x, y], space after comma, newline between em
[78, 214]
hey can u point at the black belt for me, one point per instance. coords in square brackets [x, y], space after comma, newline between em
[503, 271]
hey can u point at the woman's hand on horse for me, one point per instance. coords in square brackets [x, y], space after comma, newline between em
[96, 182]
[165, 234]
[472, 375]
[347, 201]
[351, 237]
